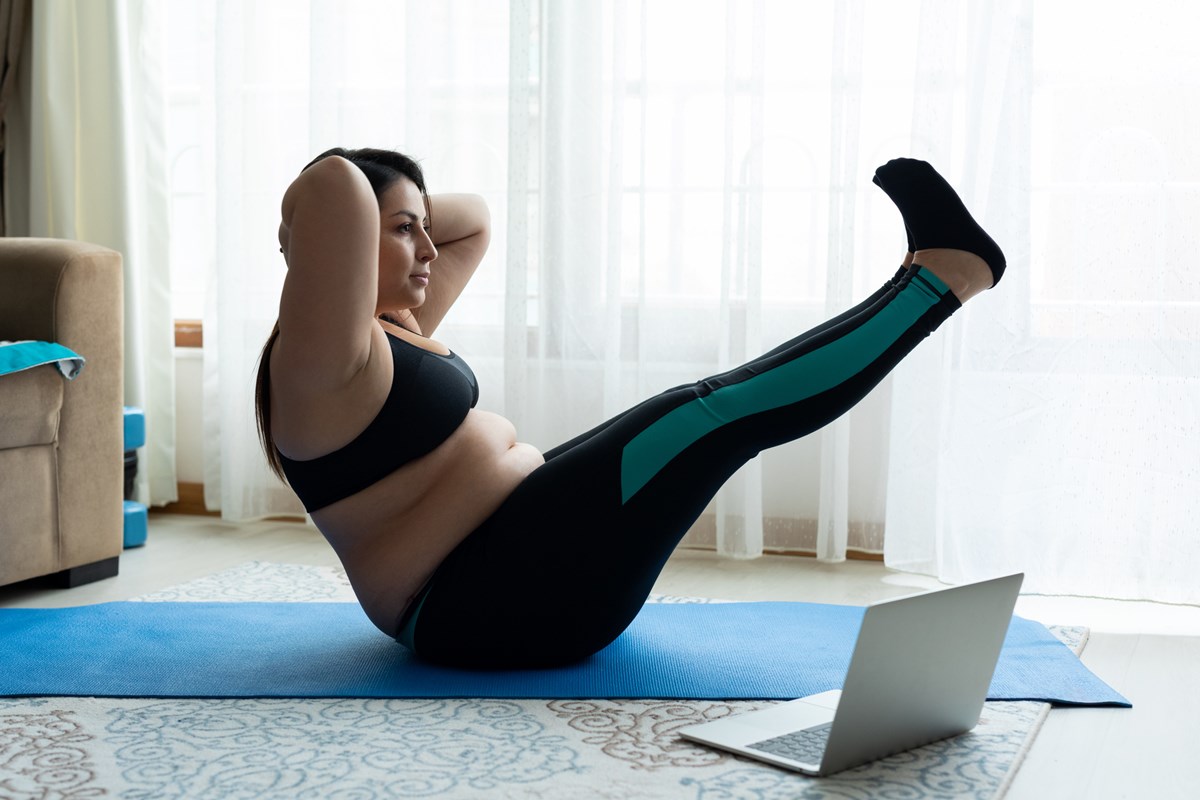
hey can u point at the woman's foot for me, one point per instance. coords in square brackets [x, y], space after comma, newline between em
[943, 236]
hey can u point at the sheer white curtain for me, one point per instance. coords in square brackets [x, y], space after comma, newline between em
[97, 172]
[1056, 430]
[677, 186]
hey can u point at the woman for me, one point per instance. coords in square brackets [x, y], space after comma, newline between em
[474, 549]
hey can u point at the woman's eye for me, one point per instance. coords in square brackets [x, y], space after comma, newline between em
[405, 228]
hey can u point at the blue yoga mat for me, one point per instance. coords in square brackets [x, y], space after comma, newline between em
[672, 650]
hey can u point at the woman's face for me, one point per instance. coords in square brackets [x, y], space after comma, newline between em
[405, 249]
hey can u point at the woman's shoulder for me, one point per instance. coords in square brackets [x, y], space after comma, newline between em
[313, 415]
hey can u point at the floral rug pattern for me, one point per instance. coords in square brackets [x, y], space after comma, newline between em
[363, 749]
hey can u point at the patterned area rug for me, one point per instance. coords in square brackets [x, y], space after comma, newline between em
[359, 749]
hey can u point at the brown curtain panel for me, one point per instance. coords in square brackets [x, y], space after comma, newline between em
[12, 35]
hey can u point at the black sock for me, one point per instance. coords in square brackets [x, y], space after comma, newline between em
[934, 216]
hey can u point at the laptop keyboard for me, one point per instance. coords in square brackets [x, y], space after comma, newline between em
[805, 745]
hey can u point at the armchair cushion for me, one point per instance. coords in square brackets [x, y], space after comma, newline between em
[30, 403]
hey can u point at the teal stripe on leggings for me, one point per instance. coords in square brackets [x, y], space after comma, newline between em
[821, 370]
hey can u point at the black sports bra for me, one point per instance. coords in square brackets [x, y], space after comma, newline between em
[429, 398]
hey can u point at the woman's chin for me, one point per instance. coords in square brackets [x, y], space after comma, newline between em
[406, 301]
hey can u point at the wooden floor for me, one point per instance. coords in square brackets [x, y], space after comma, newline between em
[1148, 652]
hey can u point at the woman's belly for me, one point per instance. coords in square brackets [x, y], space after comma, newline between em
[392, 535]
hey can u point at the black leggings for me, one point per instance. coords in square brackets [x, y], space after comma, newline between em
[565, 564]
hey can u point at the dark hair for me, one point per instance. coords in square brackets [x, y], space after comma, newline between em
[382, 168]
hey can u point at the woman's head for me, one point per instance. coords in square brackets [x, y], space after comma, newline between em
[405, 246]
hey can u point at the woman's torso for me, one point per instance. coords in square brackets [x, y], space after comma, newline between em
[391, 535]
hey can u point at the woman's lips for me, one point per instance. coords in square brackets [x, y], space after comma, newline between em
[422, 279]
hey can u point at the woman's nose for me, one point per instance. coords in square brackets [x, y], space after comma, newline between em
[428, 250]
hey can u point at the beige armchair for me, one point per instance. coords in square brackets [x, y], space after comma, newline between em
[61, 471]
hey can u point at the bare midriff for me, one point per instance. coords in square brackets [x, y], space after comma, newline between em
[392, 535]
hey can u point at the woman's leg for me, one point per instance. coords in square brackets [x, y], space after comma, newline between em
[567, 561]
[553, 453]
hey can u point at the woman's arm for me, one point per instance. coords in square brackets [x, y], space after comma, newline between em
[460, 226]
[329, 232]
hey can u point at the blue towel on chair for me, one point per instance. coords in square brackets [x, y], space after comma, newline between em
[23, 355]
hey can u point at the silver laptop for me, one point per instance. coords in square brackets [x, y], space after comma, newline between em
[920, 672]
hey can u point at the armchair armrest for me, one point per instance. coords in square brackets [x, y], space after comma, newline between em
[72, 293]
